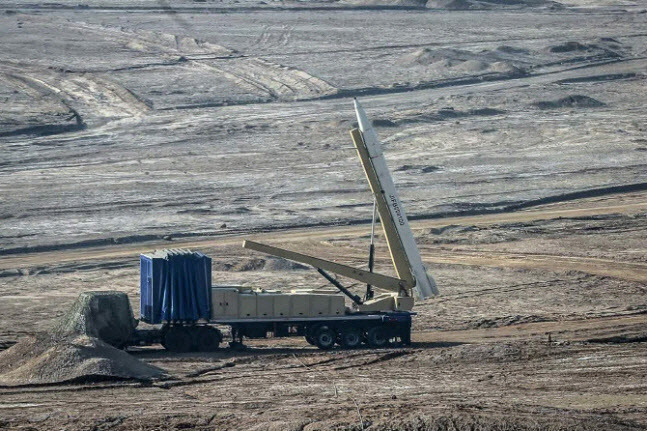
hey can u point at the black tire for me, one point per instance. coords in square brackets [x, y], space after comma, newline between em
[350, 338]
[310, 340]
[377, 337]
[206, 339]
[311, 333]
[178, 339]
[325, 338]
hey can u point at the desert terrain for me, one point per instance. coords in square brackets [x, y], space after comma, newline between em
[517, 137]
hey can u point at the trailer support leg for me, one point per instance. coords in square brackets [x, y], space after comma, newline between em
[236, 339]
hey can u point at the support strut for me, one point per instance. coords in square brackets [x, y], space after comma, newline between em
[356, 299]
[371, 254]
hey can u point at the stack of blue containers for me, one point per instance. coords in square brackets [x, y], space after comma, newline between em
[175, 287]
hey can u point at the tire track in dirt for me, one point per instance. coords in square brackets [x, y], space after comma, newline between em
[273, 36]
[275, 82]
[254, 74]
[155, 42]
[271, 80]
[92, 95]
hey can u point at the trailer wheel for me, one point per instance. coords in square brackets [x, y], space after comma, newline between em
[325, 338]
[177, 339]
[311, 333]
[350, 338]
[377, 337]
[207, 339]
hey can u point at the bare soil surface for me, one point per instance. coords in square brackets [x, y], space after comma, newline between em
[516, 133]
[521, 340]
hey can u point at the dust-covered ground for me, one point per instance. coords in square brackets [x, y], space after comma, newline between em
[540, 325]
[516, 133]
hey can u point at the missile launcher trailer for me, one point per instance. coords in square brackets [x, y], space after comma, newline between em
[176, 293]
[176, 290]
[319, 316]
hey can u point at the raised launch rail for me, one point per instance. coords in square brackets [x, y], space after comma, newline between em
[402, 246]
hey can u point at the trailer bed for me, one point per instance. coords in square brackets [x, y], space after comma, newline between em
[359, 316]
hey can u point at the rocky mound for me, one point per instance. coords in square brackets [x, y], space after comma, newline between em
[473, 66]
[507, 49]
[80, 348]
[378, 122]
[570, 47]
[604, 46]
[48, 360]
[276, 264]
[455, 61]
[427, 56]
[572, 101]
[506, 68]
[103, 315]
[259, 264]
[449, 113]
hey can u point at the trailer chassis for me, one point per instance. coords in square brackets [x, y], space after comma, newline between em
[376, 330]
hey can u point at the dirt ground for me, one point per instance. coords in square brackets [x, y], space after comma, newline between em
[541, 324]
[516, 133]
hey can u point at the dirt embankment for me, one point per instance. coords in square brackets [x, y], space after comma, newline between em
[80, 348]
